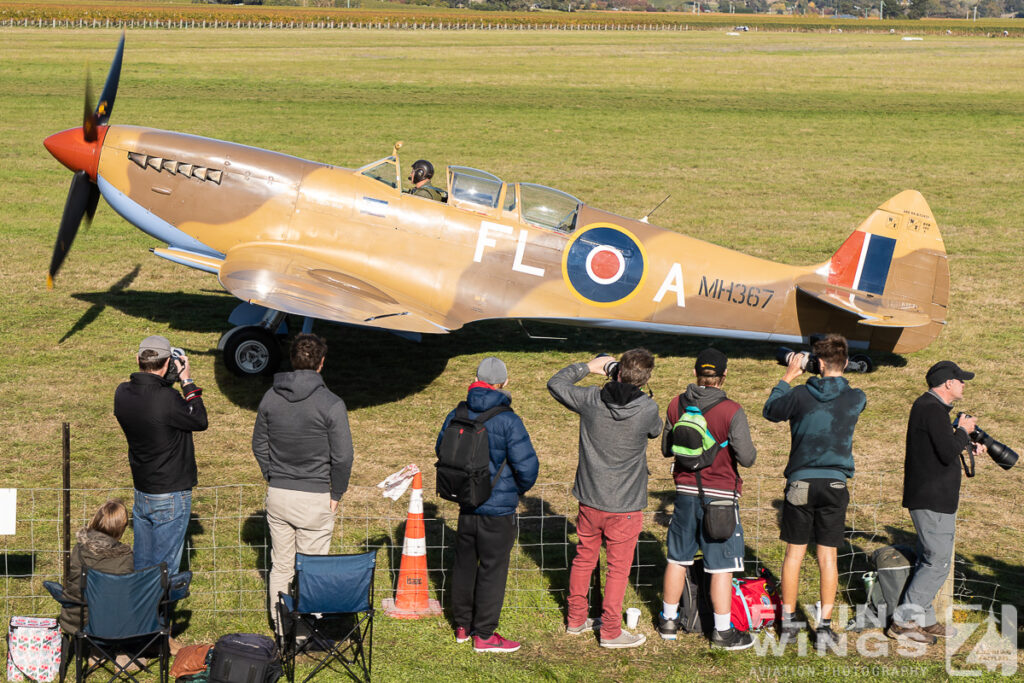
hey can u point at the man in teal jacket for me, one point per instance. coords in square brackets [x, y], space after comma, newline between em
[822, 415]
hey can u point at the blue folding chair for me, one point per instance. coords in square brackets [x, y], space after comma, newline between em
[328, 590]
[123, 614]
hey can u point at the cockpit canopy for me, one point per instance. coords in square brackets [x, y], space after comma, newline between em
[473, 189]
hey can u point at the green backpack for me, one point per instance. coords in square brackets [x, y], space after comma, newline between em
[692, 443]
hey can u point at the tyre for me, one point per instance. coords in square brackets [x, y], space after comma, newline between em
[864, 360]
[252, 351]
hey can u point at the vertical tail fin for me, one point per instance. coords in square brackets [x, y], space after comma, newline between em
[897, 254]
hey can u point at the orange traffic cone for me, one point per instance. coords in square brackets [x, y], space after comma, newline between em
[412, 597]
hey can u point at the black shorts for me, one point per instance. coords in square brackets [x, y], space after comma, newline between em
[815, 509]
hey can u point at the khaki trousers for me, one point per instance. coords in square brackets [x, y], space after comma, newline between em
[299, 522]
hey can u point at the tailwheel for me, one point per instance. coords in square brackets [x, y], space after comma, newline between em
[250, 351]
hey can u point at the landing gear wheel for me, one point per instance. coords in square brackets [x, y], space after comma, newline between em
[864, 360]
[252, 351]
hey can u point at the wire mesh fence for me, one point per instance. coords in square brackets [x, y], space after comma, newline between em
[228, 544]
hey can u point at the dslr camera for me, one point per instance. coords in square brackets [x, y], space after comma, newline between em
[611, 368]
[173, 372]
[1003, 455]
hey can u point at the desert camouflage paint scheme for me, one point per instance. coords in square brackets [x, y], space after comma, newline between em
[331, 243]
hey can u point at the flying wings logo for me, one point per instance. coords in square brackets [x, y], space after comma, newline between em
[604, 264]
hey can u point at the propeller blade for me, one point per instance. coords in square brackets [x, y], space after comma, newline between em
[89, 117]
[74, 208]
[106, 103]
[92, 202]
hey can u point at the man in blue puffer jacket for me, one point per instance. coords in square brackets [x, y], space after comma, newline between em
[486, 533]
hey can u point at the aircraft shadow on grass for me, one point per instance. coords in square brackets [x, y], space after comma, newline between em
[372, 367]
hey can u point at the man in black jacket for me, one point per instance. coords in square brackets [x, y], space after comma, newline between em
[303, 445]
[158, 423]
[931, 491]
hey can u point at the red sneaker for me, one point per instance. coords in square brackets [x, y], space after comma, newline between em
[461, 634]
[494, 644]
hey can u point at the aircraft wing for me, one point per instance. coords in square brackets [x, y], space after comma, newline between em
[301, 281]
[873, 309]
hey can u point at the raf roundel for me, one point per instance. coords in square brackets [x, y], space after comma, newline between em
[604, 264]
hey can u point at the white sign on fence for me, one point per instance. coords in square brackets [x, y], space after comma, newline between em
[8, 510]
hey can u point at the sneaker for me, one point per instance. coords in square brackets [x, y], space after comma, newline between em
[588, 625]
[461, 634]
[494, 644]
[911, 632]
[731, 639]
[667, 628]
[624, 639]
[939, 630]
[825, 638]
[789, 633]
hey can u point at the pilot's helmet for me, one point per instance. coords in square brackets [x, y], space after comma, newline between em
[422, 170]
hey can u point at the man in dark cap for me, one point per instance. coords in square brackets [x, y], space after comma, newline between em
[931, 491]
[158, 423]
[719, 481]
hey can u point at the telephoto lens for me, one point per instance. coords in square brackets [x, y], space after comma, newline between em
[1003, 455]
[809, 363]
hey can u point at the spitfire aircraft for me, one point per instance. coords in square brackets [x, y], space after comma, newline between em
[290, 236]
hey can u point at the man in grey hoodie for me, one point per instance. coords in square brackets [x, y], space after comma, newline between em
[303, 445]
[616, 421]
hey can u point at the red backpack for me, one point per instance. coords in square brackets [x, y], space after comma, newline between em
[755, 604]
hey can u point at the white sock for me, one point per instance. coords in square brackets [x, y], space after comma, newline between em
[669, 611]
[723, 622]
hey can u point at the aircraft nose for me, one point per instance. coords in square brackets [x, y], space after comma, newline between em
[70, 148]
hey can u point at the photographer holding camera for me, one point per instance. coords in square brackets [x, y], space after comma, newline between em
[158, 423]
[822, 414]
[931, 491]
[616, 420]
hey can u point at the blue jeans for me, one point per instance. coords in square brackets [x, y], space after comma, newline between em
[159, 521]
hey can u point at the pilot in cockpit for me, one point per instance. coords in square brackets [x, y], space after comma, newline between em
[422, 172]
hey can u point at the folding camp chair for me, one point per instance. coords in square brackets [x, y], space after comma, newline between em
[125, 614]
[330, 589]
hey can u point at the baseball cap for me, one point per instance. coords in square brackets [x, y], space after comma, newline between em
[158, 344]
[946, 370]
[492, 371]
[711, 359]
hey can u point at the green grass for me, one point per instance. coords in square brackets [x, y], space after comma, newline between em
[774, 144]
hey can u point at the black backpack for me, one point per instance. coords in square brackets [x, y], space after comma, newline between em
[695, 612]
[244, 658]
[464, 458]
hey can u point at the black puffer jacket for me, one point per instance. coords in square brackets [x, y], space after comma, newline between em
[94, 550]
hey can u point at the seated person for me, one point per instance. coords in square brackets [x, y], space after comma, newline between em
[422, 172]
[99, 547]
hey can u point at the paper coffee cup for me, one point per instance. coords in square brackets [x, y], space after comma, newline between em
[632, 617]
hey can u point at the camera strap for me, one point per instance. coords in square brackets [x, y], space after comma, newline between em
[969, 471]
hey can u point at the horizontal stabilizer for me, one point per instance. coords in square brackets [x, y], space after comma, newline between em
[873, 309]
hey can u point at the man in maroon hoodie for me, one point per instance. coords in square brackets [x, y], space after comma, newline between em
[720, 481]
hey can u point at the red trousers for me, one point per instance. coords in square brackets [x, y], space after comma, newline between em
[619, 531]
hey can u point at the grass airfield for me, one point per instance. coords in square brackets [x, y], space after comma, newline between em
[773, 144]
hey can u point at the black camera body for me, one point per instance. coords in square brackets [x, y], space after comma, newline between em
[1003, 455]
[173, 373]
